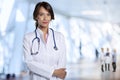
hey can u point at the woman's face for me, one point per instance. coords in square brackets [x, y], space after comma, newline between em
[43, 18]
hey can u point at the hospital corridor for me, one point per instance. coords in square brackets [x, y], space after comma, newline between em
[80, 37]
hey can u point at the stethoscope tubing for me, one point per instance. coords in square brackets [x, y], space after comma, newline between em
[38, 39]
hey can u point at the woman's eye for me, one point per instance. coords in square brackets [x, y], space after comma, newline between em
[41, 14]
[48, 14]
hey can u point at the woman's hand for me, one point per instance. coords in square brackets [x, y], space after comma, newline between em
[60, 73]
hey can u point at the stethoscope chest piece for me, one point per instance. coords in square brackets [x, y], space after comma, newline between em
[55, 48]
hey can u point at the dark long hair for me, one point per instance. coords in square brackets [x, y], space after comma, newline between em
[47, 6]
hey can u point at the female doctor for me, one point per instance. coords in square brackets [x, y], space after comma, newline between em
[44, 48]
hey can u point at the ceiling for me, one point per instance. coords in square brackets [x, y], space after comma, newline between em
[101, 10]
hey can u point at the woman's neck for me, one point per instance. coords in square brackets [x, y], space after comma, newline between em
[44, 29]
[45, 32]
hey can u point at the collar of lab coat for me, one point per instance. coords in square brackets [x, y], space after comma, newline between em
[40, 33]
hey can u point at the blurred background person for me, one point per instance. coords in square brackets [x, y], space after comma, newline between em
[102, 59]
[114, 58]
[107, 60]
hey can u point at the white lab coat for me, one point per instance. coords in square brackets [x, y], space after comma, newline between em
[108, 59]
[102, 58]
[43, 64]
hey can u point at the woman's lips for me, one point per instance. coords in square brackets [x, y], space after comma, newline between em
[45, 22]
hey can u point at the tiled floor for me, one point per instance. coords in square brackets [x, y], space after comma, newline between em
[86, 69]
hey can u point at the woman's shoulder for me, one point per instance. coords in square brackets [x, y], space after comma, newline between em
[29, 34]
[58, 34]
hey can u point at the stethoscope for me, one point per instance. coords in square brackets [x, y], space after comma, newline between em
[38, 40]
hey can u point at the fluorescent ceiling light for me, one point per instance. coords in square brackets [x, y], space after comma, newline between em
[92, 12]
